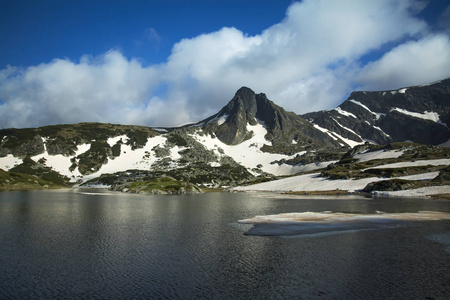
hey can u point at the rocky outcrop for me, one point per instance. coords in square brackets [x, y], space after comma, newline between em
[389, 185]
[20, 142]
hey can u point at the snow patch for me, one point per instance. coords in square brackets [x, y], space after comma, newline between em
[113, 140]
[345, 113]
[377, 115]
[382, 132]
[417, 163]
[427, 115]
[338, 137]
[9, 161]
[380, 154]
[402, 91]
[348, 129]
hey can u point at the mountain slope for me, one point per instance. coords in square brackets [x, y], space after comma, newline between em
[418, 114]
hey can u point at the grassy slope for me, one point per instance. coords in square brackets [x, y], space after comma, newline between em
[11, 181]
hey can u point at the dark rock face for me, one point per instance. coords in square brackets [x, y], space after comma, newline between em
[388, 185]
[283, 127]
[392, 116]
[20, 142]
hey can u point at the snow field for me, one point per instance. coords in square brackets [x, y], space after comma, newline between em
[432, 162]
[9, 161]
[248, 154]
[380, 154]
[313, 182]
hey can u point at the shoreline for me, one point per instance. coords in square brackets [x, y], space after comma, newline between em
[414, 193]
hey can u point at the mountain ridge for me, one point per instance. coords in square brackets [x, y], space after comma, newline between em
[417, 113]
[251, 139]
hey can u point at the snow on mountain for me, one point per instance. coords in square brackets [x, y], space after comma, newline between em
[9, 161]
[345, 113]
[377, 115]
[314, 182]
[137, 159]
[427, 115]
[381, 154]
[61, 163]
[338, 137]
[384, 117]
[430, 162]
[248, 153]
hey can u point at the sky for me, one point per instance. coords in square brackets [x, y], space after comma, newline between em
[171, 62]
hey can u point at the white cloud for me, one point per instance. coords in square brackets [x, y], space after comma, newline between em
[305, 59]
[306, 62]
[101, 89]
[412, 63]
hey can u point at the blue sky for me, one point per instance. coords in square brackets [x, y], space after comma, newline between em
[35, 32]
[163, 63]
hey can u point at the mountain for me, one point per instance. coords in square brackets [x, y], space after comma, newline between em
[285, 130]
[250, 140]
[419, 114]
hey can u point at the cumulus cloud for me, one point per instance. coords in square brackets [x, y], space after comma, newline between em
[105, 89]
[412, 63]
[309, 61]
[304, 62]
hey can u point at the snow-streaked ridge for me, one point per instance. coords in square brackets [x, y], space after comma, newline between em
[377, 115]
[337, 137]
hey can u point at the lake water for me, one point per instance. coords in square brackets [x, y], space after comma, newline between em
[82, 244]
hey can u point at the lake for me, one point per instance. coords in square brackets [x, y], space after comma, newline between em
[93, 244]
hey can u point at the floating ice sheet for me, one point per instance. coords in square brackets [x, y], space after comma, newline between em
[313, 223]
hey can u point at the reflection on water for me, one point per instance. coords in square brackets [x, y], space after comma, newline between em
[82, 244]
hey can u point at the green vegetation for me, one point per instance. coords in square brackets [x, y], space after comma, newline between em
[161, 185]
[10, 181]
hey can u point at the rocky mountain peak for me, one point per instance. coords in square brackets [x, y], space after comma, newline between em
[247, 107]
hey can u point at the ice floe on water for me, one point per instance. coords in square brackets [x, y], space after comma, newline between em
[313, 223]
